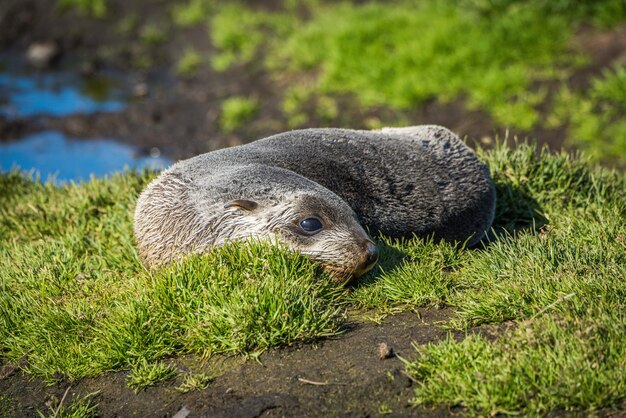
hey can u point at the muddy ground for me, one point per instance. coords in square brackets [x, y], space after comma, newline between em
[342, 376]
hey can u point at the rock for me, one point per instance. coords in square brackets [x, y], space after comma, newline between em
[42, 54]
[182, 413]
[140, 90]
[384, 351]
[89, 68]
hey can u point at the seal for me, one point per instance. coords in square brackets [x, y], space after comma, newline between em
[314, 191]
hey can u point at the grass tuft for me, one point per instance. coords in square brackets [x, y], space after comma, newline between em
[94, 8]
[144, 374]
[195, 381]
[564, 362]
[189, 63]
[191, 13]
[409, 273]
[236, 111]
[80, 407]
[596, 116]
[562, 285]
[75, 299]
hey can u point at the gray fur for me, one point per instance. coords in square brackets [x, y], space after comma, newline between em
[398, 182]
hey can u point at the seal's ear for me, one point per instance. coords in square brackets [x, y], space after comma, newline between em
[248, 205]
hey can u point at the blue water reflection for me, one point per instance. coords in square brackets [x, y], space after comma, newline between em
[53, 155]
[55, 94]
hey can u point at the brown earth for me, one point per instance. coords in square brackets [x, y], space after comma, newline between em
[342, 376]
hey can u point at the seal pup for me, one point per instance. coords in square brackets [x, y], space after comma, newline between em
[314, 190]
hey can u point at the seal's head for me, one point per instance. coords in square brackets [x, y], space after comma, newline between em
[326, 231]
[179, 214]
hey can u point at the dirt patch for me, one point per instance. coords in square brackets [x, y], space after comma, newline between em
[605, 48]
[13, 128]
[340, 376]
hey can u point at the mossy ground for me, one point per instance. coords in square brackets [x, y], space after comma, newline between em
[76, 301]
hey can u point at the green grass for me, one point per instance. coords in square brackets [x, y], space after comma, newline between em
[409, 274]
[236, 111]
[597, 116]
[563, 285]
[503, 57]
[191, 13]
[6, 405]
[79, 407]
[498, 56]
[553, 363]
[557, 269]
[95, 8]
[152, 34]
[405, 53]
[238, 31]
[600, 13]
[195, 381]
[75, 300]
[144, 374]
[437, 51]
[189, 63]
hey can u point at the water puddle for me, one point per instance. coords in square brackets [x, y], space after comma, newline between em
[56, 157]
[57, 94]
[28, 95]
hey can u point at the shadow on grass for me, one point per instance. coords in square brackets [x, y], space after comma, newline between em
[516, 211]
[390, 258]
[13, 183]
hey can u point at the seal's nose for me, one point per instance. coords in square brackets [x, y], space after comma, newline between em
[372, 252]
[368, 259]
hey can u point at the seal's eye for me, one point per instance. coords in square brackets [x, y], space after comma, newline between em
[311, 225]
